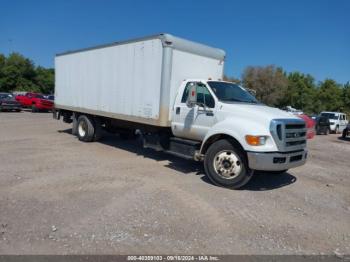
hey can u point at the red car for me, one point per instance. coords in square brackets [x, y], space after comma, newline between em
[35, 101]
[310, 125]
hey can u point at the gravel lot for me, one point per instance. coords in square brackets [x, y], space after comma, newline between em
[61, 196]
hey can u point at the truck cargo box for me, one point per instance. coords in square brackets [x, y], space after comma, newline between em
[133, 80]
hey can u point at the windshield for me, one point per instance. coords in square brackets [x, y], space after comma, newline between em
[230, 92]
[6, 96]
[330, 115]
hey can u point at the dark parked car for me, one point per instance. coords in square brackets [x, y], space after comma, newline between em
[50, 97]
[346, 131]
[322, 125]
[8, 102]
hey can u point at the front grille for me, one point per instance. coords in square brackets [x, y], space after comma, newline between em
[296, 158]
[9, 102]
[289, 134]
[295, 126]
[293, 143]
[295, 134]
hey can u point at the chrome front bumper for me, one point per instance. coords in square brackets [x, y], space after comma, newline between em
[276, 161]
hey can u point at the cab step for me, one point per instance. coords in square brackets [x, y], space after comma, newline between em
[184, 148]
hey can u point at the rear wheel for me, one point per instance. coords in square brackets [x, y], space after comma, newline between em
[88, 129]
[75, 125]
[226, 165]
[345, 133]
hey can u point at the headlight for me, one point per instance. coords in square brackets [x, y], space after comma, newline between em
[256, 140]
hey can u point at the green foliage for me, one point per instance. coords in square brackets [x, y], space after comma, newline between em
[269, 83]
[18, 73]
[45, 79]
[275, 87]
[231, 79]
[330, 95]
[346, 98]
[301, 92]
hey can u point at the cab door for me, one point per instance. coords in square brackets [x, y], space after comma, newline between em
[194, 122]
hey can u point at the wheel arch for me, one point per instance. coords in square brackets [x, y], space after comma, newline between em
[219, 136]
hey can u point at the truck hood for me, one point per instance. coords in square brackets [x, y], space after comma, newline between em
[259, 113]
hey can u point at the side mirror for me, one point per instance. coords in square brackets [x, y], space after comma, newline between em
[192, 96]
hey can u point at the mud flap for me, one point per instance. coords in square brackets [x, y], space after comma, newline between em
[56, 114]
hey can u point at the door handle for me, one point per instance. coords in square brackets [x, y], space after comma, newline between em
[177, 110]
[207, 112]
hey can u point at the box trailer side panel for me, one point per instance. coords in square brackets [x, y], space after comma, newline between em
[134, 80]
[120, 81]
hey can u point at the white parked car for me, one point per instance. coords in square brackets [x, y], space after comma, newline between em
[338, 121]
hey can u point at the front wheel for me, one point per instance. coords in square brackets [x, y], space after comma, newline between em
[345, 133]
[226, 165]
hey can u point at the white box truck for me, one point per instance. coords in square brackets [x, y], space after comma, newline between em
[169, 91]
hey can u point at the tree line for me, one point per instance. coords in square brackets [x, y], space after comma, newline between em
[275, 87]
[272, 85]
[18, 73]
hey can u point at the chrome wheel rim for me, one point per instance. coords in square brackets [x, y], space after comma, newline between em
[82, 128]
[227, 164]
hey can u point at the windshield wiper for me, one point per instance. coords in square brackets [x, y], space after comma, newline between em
[238, 100]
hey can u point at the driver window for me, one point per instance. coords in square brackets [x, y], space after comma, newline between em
[204, 97]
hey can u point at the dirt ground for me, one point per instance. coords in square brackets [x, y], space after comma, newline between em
[62, 196]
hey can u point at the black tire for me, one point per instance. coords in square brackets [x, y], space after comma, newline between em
[75, 125]
[18, 110]
[237, 180]
[345, 133]
[326, 132]
[89, 129]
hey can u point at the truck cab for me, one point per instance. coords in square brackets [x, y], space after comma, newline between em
[269, 139]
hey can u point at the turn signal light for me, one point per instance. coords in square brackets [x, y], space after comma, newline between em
[255, 140]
